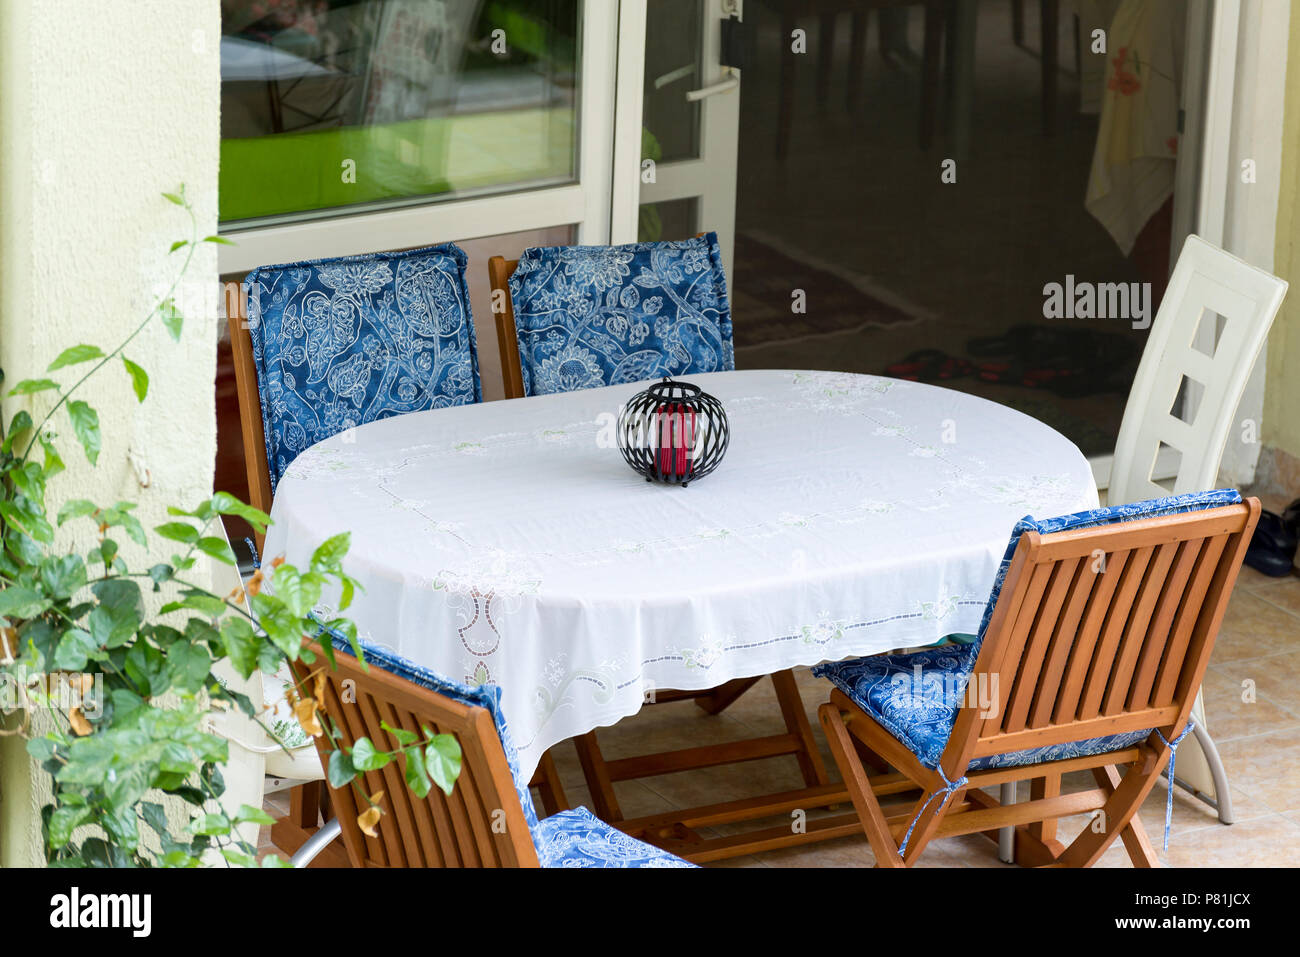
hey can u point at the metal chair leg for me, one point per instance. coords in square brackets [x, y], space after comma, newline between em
[316, 843]
[1222, 800]
[1007, 835]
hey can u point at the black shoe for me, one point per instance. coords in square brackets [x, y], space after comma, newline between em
[1291, 518]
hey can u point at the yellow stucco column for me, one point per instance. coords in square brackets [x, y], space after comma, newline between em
[104, 106]
[1281, 426]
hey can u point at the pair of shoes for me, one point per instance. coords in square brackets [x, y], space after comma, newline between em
[1272, 548]
[929, 365]
[1070, 362]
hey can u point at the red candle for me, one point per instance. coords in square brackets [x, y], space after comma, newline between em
[676, 440]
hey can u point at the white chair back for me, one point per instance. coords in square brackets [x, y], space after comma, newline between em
[1206, 336]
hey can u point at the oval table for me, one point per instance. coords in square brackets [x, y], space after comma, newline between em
[509, 542]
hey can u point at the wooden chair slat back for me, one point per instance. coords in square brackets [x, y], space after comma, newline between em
[480, 824]
[1103, 630]
[250, 406]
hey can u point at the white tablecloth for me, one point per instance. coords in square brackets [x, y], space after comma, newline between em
[509, 542]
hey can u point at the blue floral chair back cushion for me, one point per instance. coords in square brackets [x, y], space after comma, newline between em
[588, 316]
[340, 342]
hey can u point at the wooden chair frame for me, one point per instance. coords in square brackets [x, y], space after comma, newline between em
[1088, 648]
[462, 829]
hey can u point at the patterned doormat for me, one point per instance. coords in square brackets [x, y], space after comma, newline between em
[765, 275]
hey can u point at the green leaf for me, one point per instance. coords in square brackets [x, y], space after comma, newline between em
[177, 245]
[178, 532]
[85, 425]
[442, 756]
[217, 548]
[223, 503]
[147, 669]
[32, 386]
[116, 618]
[20, 423]
[53, 463]
[222, 240]
[29, 481]
[329, 553]
[210, 824]
[402, 736]
[139, 378]
[189, 665]
[22, 516]
[76, 508]
[155, 816]
[340, 770]
[74, 650]
[253, 815]
[174, 198]
[73, 355]
[417, 773]
[64, 821]
[171, 318]
[62, 575]
[18, 601]
[365, 757]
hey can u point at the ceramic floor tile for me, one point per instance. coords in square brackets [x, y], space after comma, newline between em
[1254, 626]
[1232, 717]
[1276, 680]
[1266, 767]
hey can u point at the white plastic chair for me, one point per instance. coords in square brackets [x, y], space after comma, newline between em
[1203, 344]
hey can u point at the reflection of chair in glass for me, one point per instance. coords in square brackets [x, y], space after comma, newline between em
[1096, 636]
[1211, 325]
[487, 820]
[827, 10]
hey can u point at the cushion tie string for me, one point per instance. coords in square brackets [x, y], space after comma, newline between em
[948, 788]
[1173, 756]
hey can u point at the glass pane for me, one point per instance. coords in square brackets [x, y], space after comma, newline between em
[673, 219]
[328, 104]
[671, 124]
[962, 203]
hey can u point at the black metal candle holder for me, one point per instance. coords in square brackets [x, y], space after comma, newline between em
[673, 432]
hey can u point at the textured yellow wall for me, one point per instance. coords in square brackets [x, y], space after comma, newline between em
[1281, 426]
[103, 106]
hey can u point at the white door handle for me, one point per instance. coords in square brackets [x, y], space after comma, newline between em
[723, 86]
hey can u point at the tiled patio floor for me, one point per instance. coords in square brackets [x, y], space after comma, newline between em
[1259, 741]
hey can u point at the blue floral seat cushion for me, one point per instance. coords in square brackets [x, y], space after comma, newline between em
[341, 342]
[915, 696]
[577, 838]
[588, 316]
[573, 838]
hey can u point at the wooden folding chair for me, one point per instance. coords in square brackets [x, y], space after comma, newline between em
[1090, 660]
[484, 821]
[306, 804]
